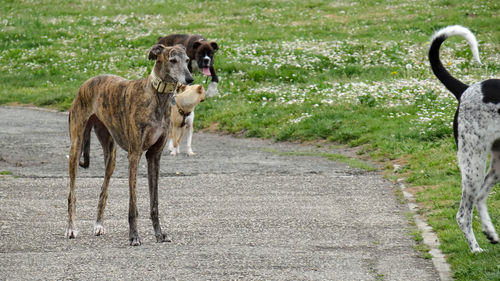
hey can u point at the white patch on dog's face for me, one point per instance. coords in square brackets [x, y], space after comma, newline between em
[205, 54]
[206, 60]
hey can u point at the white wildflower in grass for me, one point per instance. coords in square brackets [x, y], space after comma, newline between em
[299, 119]
[390, 93]
[380, 73]
[406, 62]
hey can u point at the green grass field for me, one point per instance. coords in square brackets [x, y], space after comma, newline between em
[350, 73]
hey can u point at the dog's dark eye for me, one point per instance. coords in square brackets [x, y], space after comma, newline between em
[187, 61]
[173, 60]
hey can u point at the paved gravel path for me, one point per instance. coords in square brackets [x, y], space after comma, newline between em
[235, 211]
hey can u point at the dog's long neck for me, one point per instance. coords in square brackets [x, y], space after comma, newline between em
[167, 85]
[163, 89]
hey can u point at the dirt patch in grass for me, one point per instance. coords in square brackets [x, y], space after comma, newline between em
[416, 189]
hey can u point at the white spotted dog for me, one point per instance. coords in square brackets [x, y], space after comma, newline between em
[477, 133]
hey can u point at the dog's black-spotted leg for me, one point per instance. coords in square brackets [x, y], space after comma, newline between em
[153, 156]
[490, 237]
[464, 219]
[472, 160]
[490, 180]
[133, 163]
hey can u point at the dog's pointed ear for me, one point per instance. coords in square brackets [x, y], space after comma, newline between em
[200, 89]
[196, 45]
[214, 46]
[182, 88]
[156, 51]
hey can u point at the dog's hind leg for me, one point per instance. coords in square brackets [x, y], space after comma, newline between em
[77, 122]
[491, 179]
[109, 149]
[472, 160]
[153, 156]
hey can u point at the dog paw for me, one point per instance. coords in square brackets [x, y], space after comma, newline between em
[191, 153]
[135, 241]
[71, 233]
[173, 152]
[492, 236]
[162, 237]
[98, 230]
[477, 250]
[212, 89]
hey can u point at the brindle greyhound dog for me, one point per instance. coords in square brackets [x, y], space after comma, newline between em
[133, 114]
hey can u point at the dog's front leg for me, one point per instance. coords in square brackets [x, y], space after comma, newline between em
[153, 156]
[190, 138]
[212, 87]
[215, 78]
[170, 143]
[133, 163]
[175, 143]
[178, 140]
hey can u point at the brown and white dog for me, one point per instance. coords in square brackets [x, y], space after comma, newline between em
[182, 117]
[201, 54]
[136, 116]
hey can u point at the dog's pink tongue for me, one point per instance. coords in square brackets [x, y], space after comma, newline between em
[206, 71]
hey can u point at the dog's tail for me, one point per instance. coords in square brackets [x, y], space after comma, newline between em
[452, 84]
[85, 152]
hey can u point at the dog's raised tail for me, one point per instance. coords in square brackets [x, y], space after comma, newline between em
[452, 84]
